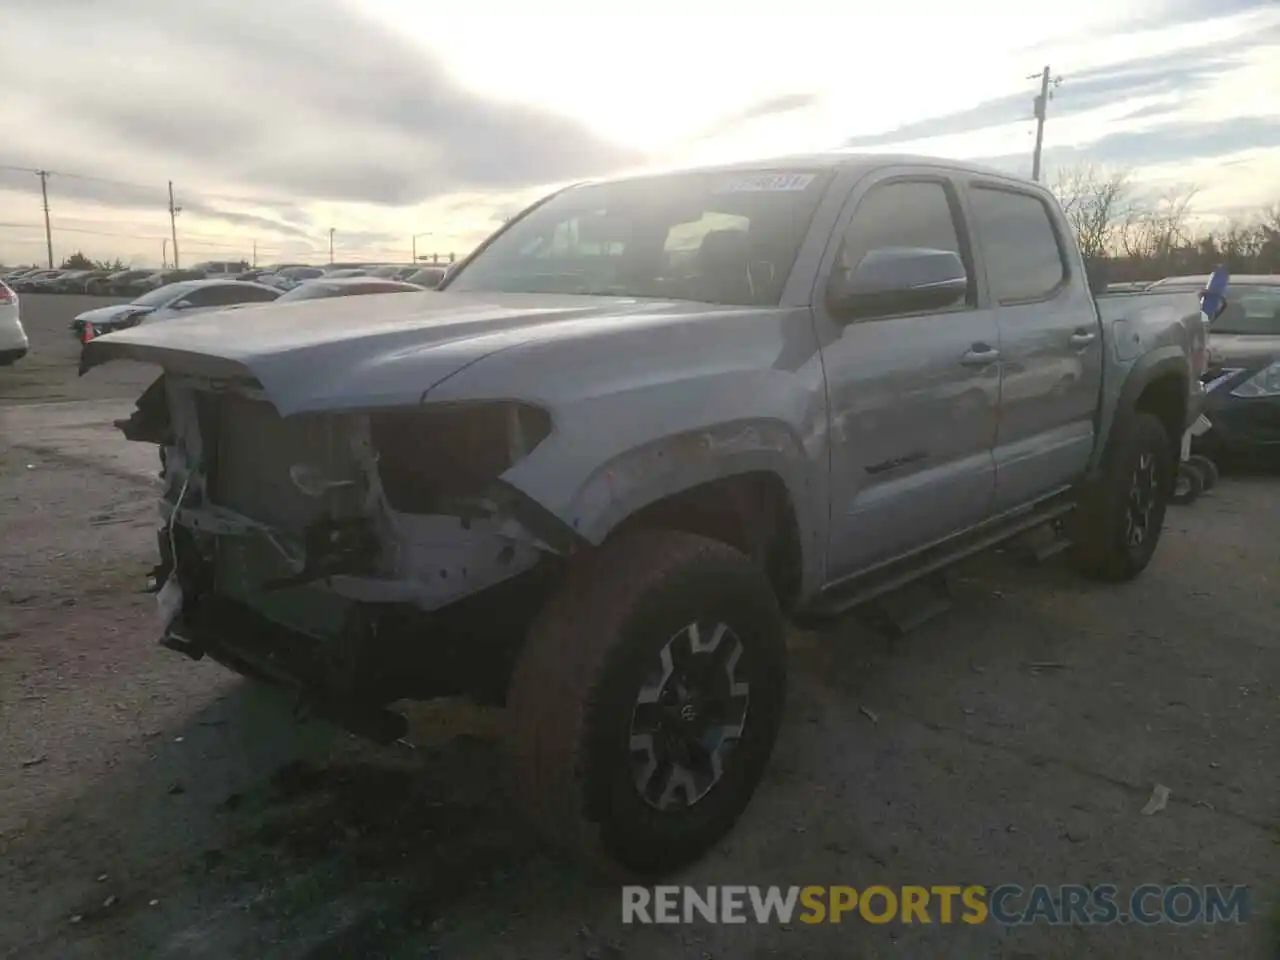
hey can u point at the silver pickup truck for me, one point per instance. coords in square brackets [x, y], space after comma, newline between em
[642, 426]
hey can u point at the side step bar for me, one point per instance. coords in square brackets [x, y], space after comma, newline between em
[844, 596]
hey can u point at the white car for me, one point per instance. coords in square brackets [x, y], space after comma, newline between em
[13, 339]
[172, 300]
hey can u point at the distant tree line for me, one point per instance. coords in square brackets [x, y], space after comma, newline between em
[78, 261]
[1146, 235]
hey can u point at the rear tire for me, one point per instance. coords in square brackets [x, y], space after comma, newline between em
[606, 754]
[1117, 527]
[1207, 468]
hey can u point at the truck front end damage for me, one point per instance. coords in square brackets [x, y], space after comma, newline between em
[357, 557]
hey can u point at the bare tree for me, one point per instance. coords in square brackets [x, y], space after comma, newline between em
[1097, 204]
[1157, 229]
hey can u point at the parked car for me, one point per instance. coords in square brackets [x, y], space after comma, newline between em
[31, 282]
[13, 339]
[172, 300]
[345, 287]
[646, 421]
[162, 278]
[51, 283]
[74, 281]
[121, 282]
[429, 277]
[339, 272]
[220, 269]
[289, 277]
[393, 272]
[1243, 378]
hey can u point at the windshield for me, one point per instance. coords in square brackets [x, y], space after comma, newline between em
[159, 296]
[726, 237]
[1250, 310]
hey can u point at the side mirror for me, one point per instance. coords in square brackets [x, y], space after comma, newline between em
[899, 280]
[181, 305]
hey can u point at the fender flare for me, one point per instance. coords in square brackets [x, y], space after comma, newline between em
[1166, 361]
[627, 483]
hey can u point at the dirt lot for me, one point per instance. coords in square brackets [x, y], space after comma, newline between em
[151, 806]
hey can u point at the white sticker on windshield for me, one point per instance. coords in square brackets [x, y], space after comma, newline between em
[767, 183]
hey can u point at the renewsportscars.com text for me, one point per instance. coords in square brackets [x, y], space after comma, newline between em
[1007, 904]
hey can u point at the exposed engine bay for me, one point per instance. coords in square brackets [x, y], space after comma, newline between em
[326, 550]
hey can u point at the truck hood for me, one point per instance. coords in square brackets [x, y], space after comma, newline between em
[368, 352]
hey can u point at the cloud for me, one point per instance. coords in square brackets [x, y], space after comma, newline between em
[300, 98]
[761, 110]
[1170, 143]
[1172, 13]
[1176, 74]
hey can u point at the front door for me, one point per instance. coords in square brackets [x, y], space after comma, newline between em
[1050, 343]
[912, 397]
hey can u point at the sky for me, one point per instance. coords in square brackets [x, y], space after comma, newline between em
[399, 124]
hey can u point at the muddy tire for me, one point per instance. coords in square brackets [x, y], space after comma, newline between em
[646, 701]
[1188, 484]
[1118, 525]
[1207, 469]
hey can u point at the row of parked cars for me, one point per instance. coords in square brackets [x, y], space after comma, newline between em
[136, 281]
[189, 297]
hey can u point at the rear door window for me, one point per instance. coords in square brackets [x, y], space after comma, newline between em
[1021, 249]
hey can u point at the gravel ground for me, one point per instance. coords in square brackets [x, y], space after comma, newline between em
[152, 806]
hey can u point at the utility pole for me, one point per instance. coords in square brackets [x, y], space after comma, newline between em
[1041, 109]
[255, 253]
[173, 224]
[331, 246]
[48, 233]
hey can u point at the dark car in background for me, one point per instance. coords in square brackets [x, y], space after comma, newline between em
[76, 281]
[346, 287]
[32, 282]
[1242, 381]
[118, 284]
[161, 278]
[393, 271]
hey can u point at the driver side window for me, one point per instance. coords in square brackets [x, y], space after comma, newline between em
[905, 213]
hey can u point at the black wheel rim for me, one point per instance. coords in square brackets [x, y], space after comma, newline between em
[689, 715]
[1142, 500]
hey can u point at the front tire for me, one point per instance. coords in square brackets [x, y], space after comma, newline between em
[1118, 525]
[646, 701]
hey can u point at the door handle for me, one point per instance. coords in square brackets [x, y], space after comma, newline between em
[979, 355]
[1082, 338]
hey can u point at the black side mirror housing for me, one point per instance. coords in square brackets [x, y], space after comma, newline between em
[899, 280]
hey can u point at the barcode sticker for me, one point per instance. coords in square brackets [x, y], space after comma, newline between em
[767, 183]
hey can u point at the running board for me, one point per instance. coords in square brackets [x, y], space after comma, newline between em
[840, 598]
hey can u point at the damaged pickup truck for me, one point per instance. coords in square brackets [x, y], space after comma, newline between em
[644, 425]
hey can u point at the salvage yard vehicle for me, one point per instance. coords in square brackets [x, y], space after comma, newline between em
[1242, 382]
[13, 338]
[640, 427]
[167, 302]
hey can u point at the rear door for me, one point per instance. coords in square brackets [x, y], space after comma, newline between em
[912, 397]
[1050, 342]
